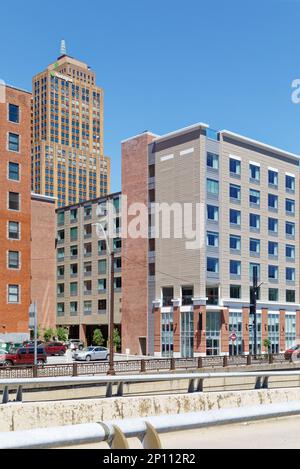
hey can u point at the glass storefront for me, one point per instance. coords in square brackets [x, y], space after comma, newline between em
[236, 326]
[258, 335]
[187, 334]
[167, 335]
[273, 332]
[213, 333]
[290, 331]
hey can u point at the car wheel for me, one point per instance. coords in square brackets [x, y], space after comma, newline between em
[40, 362]
[88, 358]
[62, 354]
[80, 347]
[8, 364]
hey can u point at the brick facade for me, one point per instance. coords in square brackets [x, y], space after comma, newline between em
[14, 316]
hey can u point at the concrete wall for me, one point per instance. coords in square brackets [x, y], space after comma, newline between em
[15, 417]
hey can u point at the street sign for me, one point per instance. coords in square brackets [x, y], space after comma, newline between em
[233, 337]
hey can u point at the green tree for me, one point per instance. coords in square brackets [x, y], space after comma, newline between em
[117, 339]
[61, 334]
[48, 334]
[267, 344]
[98, 338]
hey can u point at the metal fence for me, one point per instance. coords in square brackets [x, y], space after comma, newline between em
[138, 366]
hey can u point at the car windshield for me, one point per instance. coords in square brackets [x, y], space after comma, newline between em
[296, 347]
[2, 351]
[89, 349]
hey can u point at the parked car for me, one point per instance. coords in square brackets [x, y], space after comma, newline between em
[92, 354]
[292, 351]
[76, 344]
[23, 356]
[55, 348]
[30, 343]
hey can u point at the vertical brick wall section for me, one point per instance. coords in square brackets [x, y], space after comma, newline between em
[264, 329]
[177, 329]
[246, 330]
[157, 330]
[43, 259]
[282, 331]
[225, 331]
[14, 317]
[135, 177]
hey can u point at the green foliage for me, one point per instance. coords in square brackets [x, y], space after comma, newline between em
[48, 334]
[117, 339]
[267, 344]
[98, 338]
[61, 334]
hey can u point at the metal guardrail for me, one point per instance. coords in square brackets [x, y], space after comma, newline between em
[138, 366]
[195, 381]
[116, 433]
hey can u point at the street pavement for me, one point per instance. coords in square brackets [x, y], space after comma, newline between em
[68, 358]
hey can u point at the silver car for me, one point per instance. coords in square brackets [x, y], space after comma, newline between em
[91, 354]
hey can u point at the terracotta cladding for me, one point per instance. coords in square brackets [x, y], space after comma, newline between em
[135, 251]
[14, 317]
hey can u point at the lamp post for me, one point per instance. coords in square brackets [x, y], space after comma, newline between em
[111, 369]
[253, 308]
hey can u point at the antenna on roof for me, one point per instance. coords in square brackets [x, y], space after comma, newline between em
[63, 49]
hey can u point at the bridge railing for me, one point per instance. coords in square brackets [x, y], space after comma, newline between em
[115, 384]
[138, 366]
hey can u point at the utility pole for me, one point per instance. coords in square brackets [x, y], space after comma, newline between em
[111, 370]
[253, 308]
[33, 324]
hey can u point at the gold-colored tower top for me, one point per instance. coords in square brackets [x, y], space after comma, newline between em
[68, 133]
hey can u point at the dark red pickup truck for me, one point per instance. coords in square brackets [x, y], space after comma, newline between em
[23, 356]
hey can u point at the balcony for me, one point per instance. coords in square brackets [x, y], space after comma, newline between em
[187, 300]
[167, 301]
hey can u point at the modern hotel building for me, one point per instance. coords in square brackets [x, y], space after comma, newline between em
[185, 302]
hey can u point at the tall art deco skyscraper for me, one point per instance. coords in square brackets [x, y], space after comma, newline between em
[68, 162]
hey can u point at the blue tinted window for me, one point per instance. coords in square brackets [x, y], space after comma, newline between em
[14, 113]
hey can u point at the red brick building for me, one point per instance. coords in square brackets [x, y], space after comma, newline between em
[15, 210]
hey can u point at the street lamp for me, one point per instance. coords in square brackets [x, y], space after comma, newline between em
[111, 369]
[253, 307]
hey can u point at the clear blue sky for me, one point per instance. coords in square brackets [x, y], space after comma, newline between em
[166, 64]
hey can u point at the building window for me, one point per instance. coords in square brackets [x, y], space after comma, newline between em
[187, 294]
[212, 213]
[273, 332]
[102, 285]
[290, 296]
[290, 252]
[254, 246]
[254, 221]
[13, 113]
[273, 272]
[13, 260]
[235, 192]
[235, 292]
[73, 214]
[13, 171]
[14, 201]
[254, 172]
[213, 160]
[235, 268]
[290, 207]
[102, 306]
[61, 218]
[235, 243]
[118, 283]
[273, 225]
[73, 270]
[61, 254]
[212, 265]
[87, 308]
[254, 197]
[60, 289]
[102, 267]
[212, 239]
[273, 201]
[290, 330]
[73, 308]
[74, 233]
[212, 187]
[88, 211]
[290, 229]
[13, 294]
[235, 217]
[117, 244]
[254, 270]
[101, 247]
[74, 289]
[13, 142]
[167, 296]
[273, 178]
[235, 167]
[273, 294]
[273, 249]
[73, 251]
[14, 230]
[290, 274]
[290, 183]
[167, 334]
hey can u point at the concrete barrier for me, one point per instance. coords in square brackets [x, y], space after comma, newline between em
[26, 416]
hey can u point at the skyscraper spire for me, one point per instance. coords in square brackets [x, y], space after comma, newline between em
[63, 50]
